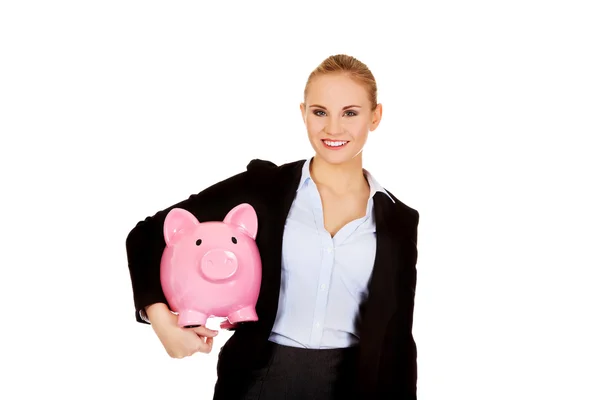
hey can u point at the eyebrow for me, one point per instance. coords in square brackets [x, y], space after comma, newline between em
[324, 108]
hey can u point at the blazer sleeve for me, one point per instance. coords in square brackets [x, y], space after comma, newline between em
[408, 349]
[145, 242]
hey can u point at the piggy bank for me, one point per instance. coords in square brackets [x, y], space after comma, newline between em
[211, 269]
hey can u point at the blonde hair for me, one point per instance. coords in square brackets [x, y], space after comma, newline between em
[351, 67]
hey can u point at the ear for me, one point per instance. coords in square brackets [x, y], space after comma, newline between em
[244, 218]
[303, 112]
[376, 117]
[178, 221]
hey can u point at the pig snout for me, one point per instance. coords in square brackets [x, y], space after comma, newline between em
[217, 265]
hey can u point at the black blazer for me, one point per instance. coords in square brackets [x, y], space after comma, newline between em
[387, 355]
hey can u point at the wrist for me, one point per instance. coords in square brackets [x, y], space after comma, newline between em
[157, 311]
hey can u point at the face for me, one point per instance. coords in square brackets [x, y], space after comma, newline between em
[338, 117]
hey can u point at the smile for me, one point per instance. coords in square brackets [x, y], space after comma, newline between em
[335, 144]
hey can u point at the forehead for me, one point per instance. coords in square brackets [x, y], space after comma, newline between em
[336, 89]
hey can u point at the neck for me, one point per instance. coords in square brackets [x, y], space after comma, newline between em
[339, 178]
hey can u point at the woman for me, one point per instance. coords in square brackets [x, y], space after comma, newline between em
[339, 263]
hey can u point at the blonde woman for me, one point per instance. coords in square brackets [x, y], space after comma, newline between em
[339, 257]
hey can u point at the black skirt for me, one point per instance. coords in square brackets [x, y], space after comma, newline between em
[291, 373]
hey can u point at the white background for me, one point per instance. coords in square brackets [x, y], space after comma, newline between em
[113, 110]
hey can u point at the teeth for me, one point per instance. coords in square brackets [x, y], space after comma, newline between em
[335, 144]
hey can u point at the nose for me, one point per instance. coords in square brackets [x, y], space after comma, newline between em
[334, 127]
[218, 265]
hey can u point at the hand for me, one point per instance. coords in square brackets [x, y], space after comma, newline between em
[179, 342]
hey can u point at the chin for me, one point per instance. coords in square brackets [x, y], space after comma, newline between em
[337, 157]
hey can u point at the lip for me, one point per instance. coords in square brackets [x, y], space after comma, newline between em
[334, 140]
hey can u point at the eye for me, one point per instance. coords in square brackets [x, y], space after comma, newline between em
[198, 242]
[354, 113]
[318, 111]
[234, 240]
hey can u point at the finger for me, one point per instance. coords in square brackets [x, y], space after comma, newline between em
[204, 331]
[205, 347]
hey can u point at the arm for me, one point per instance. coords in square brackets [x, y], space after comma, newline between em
[408, 349]
[402, 354]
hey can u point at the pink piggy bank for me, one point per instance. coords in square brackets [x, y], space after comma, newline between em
[211, 269]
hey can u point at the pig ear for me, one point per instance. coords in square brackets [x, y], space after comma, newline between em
[178, 221]
[243, 217]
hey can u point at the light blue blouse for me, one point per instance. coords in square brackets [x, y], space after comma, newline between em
[323, 279]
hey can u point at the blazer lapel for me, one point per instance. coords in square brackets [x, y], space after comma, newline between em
[280, 202]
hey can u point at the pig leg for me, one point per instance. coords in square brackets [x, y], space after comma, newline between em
[227, 325]
[191, 319]
[242, 315]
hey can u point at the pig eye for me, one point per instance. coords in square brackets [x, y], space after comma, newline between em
[198, 242]
[234, 240]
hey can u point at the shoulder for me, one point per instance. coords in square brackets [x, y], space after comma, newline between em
[404, 209]
[261, 178]
[258, 167]
[407, 218]
[257, 173]
[265, 172]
